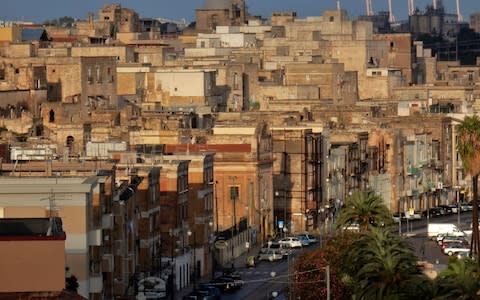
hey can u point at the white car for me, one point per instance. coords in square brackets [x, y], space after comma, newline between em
[456, 248]
[292, 242]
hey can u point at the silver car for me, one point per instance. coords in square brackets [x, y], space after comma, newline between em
[269, 254]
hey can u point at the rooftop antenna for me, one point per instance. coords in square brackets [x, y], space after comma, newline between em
[459, 15]
[391, 17]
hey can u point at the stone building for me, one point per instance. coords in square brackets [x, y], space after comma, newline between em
[218, 12]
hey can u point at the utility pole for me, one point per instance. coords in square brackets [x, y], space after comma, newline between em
[233, 196]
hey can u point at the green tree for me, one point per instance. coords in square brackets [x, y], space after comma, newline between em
[386, 268]
[364, 208]
[468, 146]
[459, 281]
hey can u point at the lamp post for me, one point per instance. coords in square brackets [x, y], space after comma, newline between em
[233, 197]
[172, 234]
[274, 294]
[194, 258]
[457, 190]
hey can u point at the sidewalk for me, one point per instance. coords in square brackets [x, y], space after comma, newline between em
[239, 263]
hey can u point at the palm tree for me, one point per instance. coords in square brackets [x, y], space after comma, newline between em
[364, 208]
[461, 280]
[386, 267]
[468, 146]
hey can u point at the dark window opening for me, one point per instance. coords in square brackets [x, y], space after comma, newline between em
[51, 116]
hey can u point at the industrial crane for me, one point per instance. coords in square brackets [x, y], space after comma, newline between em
[411, 7]
[459, 15]
[391, 17]
[368, 4]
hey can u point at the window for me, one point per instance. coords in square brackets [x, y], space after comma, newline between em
[234, 193]
[2, 74]
[235, 81]
[51, 116]
[99, 74]
[89, 75]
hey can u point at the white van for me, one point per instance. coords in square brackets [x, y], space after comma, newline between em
[435, 229]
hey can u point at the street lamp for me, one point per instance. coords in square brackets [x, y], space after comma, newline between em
[189, 233]
[233, 196]
[172, 233]
[273, 293]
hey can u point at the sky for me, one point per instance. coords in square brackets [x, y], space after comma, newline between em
[41, 10]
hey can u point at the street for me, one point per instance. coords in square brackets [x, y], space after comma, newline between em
[268, 277]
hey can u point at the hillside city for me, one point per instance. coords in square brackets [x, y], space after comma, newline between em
[140, 156]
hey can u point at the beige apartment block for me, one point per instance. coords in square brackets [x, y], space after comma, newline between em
[174, 88]
[33, 255]
[123, 54]
[78, 202]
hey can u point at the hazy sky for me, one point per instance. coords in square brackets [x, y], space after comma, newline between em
[41, 10]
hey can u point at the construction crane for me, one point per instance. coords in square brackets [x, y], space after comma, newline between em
[411, 7]
[391, 17]
[368, 4]
[459, 15]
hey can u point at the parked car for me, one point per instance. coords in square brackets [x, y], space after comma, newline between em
[291, 241]
[311, 239]
[433, 212]
[305, 242]
[446, 238]
[454, 208]
[455, 248]
[212, 290]
[229, 281]
[352, 227]
[284, 249]
[224, 284]
[447, 210]
[269, 254]
[465, 206]
[417, 215]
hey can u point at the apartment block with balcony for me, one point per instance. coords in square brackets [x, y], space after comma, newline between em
[200, 204]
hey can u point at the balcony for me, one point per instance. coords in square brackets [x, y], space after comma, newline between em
[412, 171]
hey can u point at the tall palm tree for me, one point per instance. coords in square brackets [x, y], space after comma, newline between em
[468, 146]
[461, 280]
[364, 208]
[386, 267]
